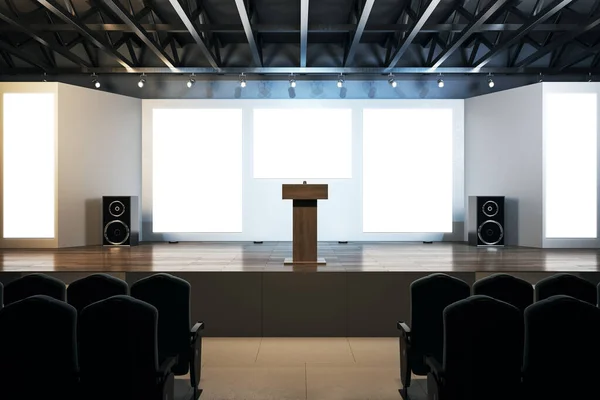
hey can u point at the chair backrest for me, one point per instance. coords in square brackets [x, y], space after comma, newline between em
[483, 349]
[1, 295]
[568, 285]
[428, 298]
[171, 297]
[93, 288]
[561, 349]
[34, 284]
[507, 288]
[117, 348]
[38, 351]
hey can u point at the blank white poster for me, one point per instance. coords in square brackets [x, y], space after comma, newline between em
[407, 170]
[28, 161]
[197, 170]
[571, 165]
[303, 143]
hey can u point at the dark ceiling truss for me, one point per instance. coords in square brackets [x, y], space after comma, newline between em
[425, 36]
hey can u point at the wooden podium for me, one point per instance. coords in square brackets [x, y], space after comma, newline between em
[305, 221]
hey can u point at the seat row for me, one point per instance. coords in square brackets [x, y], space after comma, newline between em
[98, 339]
[498, 343]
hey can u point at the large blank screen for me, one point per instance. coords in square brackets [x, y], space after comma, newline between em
[28, 161]
[303, 143]
[407, 170]
[571, 165]
[197, 170]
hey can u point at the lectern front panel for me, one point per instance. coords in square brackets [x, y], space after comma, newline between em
[305, 231]
[304, 192]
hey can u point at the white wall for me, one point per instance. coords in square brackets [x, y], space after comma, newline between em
[574, 87]
[503, 157]
[99, 154]
[265, 215]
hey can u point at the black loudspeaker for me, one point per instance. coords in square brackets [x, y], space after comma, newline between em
[486, 220]
[120, 221]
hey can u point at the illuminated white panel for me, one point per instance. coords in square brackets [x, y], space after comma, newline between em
[28, 162]
[407, 170]
[570, 165]
[303, 143]
[197, 170]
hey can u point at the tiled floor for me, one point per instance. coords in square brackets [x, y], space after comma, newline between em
[301, 368]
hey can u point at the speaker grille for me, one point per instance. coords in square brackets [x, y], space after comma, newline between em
[116, 232]
[490, 208]
[490, 232]
[116, 208]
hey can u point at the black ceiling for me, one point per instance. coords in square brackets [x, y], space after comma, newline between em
[299, 36]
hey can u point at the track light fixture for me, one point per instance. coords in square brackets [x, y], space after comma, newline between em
[589, 77]
[340, 82]
[95, 81]
[490, 81]
[45, 79]
[292, 81]
[540, 78]
[242, 80]
[392, 81]
[142, 81]
[440, 82]
[190, 81]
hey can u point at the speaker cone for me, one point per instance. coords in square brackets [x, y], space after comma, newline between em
[116, 232]
[490, 232]
[490, 208]
[116, 208]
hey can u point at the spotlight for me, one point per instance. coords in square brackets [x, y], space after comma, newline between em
[540, 79]
[45, 78]
[190, 81]
[292, 81]
[392, 81]
[340, 82]
[142, 81]
[242, 80]
[590, 77]
[95, 81]
[440, 83]
[490, 81]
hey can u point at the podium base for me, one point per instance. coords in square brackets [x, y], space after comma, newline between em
[318, 261]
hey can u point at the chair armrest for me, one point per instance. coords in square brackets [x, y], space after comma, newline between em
[436, 369]
[165, 368]
[195, 331]
[404, 330]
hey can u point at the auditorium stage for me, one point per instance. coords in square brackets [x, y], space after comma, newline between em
[244, 289]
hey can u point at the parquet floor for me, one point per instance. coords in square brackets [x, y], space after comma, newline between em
[244, 256]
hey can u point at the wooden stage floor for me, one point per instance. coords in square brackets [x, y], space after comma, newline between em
[249, 257]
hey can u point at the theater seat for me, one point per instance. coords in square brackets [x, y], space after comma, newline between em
[176, 336]
[507, 288]
[429, 296]
[1, 295]
[562, 349]
[118, 354]
[483, 352]
[93, 288]
[34, 284]
[38, 352]
[568, 285]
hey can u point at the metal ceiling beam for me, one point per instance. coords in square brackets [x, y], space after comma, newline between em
[23, 56]
[555, 44]
[291, 28]
[248, 31]
[416, 28]
[360, 28]
[192, 30]
[124, 16]
[540, 16]
[60, 50]
[66, 16]
[479, 19]
[303, 31]
[587, 53]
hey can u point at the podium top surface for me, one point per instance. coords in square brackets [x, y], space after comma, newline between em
[304, 192]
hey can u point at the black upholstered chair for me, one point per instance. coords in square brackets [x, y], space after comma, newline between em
[561, 350]
[1, 295]
[176, 336]
[483, 352]
[93, 288]
[118, 352]
[568, 285]
[429, 296]
[38, 351]
[507, 288]
[34, 284]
